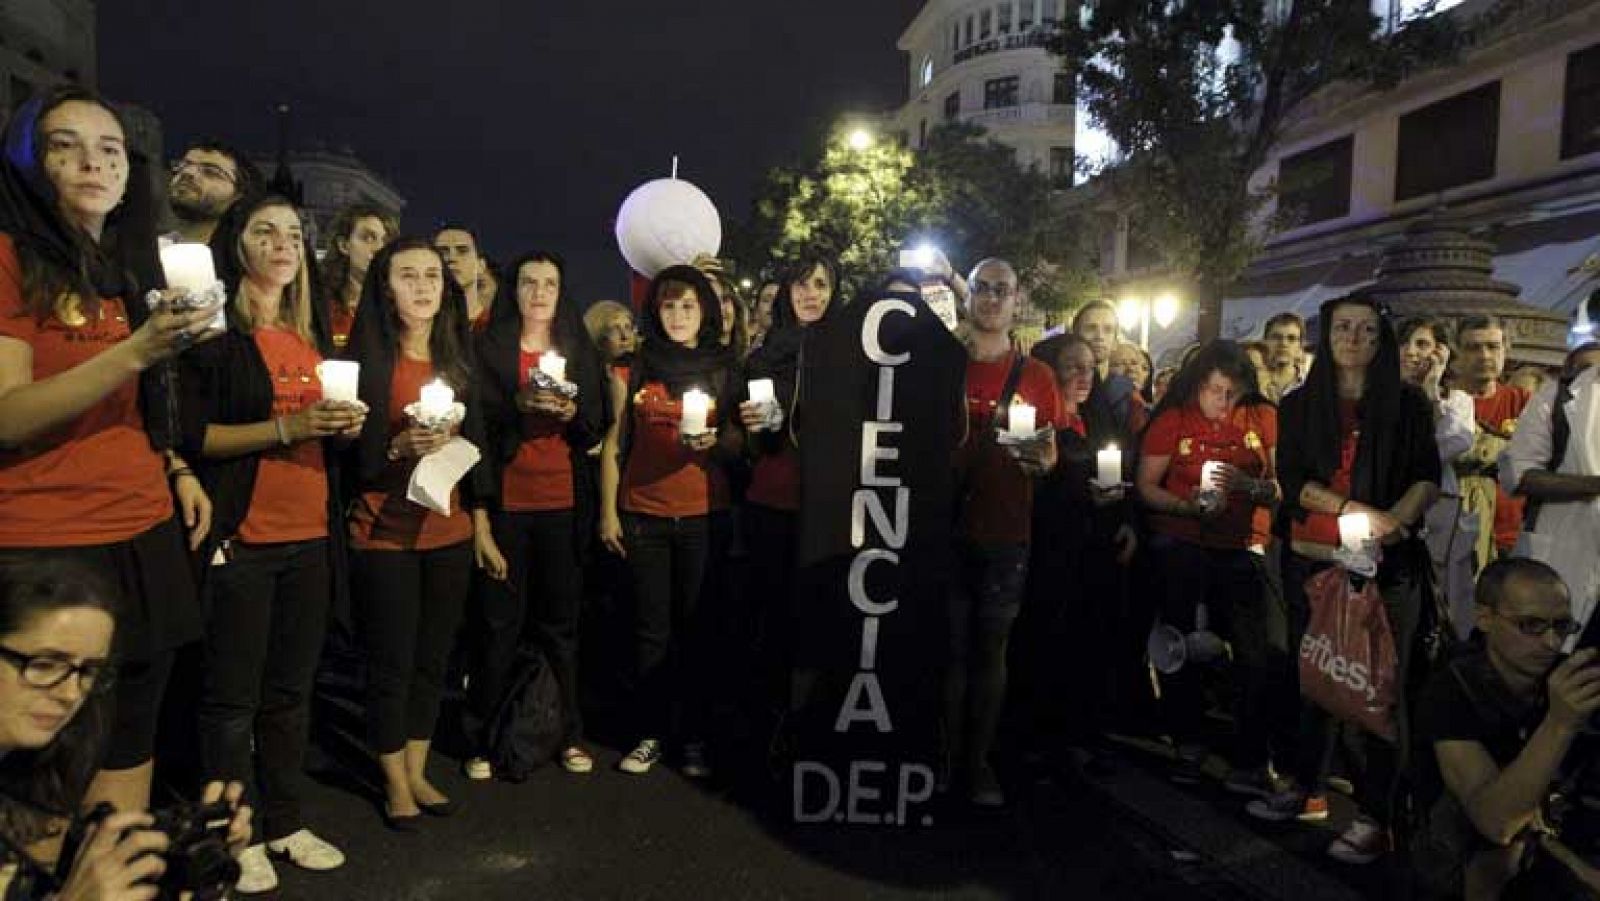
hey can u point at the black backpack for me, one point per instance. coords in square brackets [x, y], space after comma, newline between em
[527, 727]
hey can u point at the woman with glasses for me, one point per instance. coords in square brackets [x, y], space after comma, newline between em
[1355, 439]
[254, 401]
[80, 475]
[56, 681]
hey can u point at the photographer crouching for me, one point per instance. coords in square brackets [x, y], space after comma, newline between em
[56, 627]
[1505, 725]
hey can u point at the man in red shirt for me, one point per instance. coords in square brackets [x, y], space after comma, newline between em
[1480, 364]
[995, 519]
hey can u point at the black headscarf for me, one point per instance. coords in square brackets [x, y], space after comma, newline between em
[123, 264]
[706, 365]
[778, 357]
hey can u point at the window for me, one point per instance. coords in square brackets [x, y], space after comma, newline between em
[952, 106]
[927, 70]
[969, 31]
[1000, 92]
[1449, 143]
[1314, 185]
[1025, 17]
[1047, 12]
[922, 134]
[1065, 89]
[985, 24]
[1580, 115]
[955, 36]
[1004, 12]
[1061, 167]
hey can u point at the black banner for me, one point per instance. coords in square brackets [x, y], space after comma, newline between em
[880, 415]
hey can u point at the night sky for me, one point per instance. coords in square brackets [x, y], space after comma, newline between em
[530, 121]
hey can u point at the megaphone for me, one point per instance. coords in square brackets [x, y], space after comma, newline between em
[1170, 650]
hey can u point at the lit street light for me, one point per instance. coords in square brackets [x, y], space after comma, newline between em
[1135, 313]
[860, 139]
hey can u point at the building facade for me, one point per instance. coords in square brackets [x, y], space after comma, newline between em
[986, 62]
[331, 180]
[44, 43]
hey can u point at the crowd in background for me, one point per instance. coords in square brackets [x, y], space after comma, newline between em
[191, 474]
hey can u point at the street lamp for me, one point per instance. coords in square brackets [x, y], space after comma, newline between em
[860, 139]
[1135, 313]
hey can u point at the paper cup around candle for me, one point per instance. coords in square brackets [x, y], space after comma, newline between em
[1022, 421]
[762, 391]
[340, 380]
[554, 365]
[1355, 532]
[437, 399]
[696, 410]
[188, 267]
[1108, 466]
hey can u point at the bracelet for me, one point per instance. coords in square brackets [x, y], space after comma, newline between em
[180, 471]
[283, 436]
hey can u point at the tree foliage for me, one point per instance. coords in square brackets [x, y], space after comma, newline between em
[962, 192]
[1193, 125]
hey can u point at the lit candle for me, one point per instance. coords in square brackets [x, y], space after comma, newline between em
[188, 266]
[1108, 466]
[554, 365]
[1355, 532]
[1021, 423]
[762, 391]
[696, 407]
[1208, 475]
[437, 400]
[339, 380]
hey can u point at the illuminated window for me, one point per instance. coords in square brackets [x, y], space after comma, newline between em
[927, 70]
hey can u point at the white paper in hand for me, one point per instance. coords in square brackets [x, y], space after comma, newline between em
[439, 472]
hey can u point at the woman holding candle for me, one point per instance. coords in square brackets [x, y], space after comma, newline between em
[356, 234]
[663, 503]
[254, 406]
[412, 566]
[1356, 439]
[539, 517]
[1206, 473]
[772, 502]
[79, 475]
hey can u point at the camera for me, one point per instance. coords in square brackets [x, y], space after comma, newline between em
[197, 855]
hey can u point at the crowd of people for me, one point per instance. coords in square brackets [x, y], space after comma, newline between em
[173, 479]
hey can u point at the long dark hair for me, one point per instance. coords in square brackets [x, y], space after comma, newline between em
[680, 368]
[41, 787]
[778, 357]
[568, 334]
[58, 259]
[1379, 406]
[335, 268]
[375, 343]
[1226, 357]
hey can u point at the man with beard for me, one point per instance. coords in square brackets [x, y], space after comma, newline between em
[209, 178]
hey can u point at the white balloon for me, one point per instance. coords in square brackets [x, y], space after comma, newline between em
[667, 222]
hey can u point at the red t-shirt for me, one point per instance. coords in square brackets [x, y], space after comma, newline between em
[1189, 440]
[290, 499]
[382, 518]
[1323, 528]
[96, 479]
[997, 506]
[340, 320]
[662, 477]
[1499, 413]
[539, 478]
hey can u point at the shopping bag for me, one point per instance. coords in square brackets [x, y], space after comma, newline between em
[1347, 655]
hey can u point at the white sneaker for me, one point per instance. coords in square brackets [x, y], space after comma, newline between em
[256, 874]
[642, 758]
[1363, 842]
[308, 852]
[478, 769]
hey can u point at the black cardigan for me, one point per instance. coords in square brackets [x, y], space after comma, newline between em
[499, 355]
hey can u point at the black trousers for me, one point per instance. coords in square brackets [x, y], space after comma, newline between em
[538, 605]
[1233, 585]
[668, 559]
[263, 636]
[408, 606]
[766, 632]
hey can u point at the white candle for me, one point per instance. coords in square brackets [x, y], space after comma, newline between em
[1021, 422]
[762, 391]
[1208, 475]
[339, 380]
[696, 408]
[1108, 466]
[437, 399]
[1355, 532]
[554, 365]
[188, 266]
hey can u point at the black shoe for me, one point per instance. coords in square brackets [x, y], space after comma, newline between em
[409, 824]
[439, 809]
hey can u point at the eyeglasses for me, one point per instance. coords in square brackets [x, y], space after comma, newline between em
[209, 170]
[1001, 290]
[94, 677]
[1536, 627]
